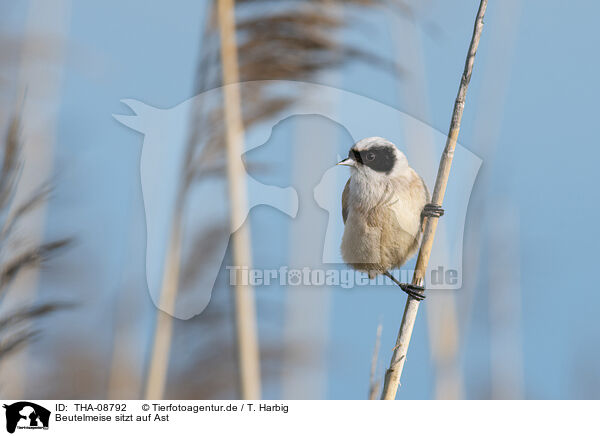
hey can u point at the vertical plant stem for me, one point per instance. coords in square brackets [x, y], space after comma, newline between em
[245, 311]
[392, 376]
[442, 314]
[162, 338]
[374, 384]
[163, 330]
[37, 86]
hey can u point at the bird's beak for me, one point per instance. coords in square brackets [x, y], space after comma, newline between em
[348, 162]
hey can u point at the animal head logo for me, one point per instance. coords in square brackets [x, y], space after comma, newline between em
[163, 169]
[24, 414]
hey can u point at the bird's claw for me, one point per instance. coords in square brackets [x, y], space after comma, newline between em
[415, 291]
[432, 210]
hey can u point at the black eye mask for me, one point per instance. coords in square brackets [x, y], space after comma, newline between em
[355, 155]
[380, 158]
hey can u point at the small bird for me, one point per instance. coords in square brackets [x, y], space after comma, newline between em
[383, 206]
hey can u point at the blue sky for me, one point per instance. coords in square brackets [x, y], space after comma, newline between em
[529, 116]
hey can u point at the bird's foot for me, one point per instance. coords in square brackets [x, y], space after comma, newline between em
[415, 291]
[432, 210]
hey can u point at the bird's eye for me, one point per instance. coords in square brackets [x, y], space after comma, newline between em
[370, 156]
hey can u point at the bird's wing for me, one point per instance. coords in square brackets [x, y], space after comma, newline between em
[427, 200]
[345, 199]
[427, 196]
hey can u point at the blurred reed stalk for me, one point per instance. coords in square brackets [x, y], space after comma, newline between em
[45, 30]
[18, 255]
[392, 376]
[163, 330]
[504, 299]
[161, 347]
[373, 382]
[245, 311]
[487, 127]
[289, 43]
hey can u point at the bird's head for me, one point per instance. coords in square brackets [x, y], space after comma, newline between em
[376, 157]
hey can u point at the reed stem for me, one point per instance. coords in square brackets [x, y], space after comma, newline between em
[392, 375]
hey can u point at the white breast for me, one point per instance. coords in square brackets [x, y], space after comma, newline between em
[373, 237]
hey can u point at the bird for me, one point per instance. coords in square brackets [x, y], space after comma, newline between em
[384, 205]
